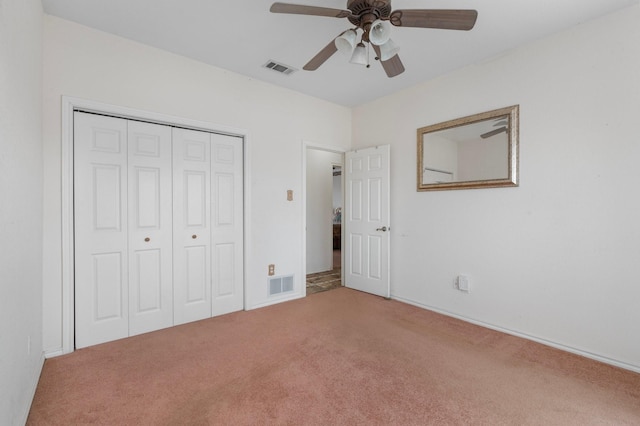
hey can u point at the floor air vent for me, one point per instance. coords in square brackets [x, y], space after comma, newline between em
[281, 68]
[279, 285]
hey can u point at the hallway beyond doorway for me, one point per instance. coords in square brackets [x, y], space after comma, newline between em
[327, 280]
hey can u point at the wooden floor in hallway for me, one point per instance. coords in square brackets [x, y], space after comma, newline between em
[327, 280]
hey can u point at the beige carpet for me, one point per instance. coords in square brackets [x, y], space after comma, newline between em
[339, 357]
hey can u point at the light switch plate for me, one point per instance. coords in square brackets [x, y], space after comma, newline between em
[463, 283]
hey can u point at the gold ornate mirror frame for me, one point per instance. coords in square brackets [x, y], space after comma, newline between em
[478, 151]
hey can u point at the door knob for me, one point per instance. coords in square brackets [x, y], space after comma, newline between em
[147, 239]
[383, 229]
[194, 236]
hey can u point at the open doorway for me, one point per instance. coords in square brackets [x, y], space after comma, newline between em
[338, 198]
[324, 205]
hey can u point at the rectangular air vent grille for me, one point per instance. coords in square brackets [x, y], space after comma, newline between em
[281, 68]
[279, 285]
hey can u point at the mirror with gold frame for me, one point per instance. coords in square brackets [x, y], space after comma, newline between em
[478, 151]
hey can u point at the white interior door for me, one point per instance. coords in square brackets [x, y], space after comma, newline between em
[191, 225]
[100, 217]
[366, 220]
[227, 224]
[150, 227]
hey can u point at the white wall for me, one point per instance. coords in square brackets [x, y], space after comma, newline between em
[20, 206]
[89, 64]
[439, 155]
[557, 257]
[484, 159]
[320, 209]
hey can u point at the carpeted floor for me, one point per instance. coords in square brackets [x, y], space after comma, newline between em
[341, 357]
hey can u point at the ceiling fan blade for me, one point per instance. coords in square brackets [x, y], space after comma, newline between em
[299, 9]
[322, 56]
[493, 132]
[392, 66]
[445, 19]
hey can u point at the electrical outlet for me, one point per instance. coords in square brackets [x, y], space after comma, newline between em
[289, 194]
[272, 270]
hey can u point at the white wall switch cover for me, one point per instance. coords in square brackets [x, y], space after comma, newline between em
[463, 283]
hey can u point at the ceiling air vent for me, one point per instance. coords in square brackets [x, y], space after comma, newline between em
[281, 68]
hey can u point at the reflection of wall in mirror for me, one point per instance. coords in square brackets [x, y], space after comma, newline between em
[484, 159]
[440, 159]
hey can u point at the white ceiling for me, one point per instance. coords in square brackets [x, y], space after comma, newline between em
[242, 35]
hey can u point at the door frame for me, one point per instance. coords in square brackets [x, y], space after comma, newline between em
[71, 104]
[306, 145]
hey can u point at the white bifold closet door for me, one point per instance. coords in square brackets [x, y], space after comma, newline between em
[158, 226]
[101, 229]
[191, 224]
[227, 213]
[150, 228]
[207, 200]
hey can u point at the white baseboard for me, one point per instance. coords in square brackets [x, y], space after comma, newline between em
[33, 385]
[606, 360]
[275, 301]
[53, 353]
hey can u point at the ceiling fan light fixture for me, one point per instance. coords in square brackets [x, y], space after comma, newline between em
[379, 32]
[359, 56]
[388, 50]
[346, 42]
[375, 18]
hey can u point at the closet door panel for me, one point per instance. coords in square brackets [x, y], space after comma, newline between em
[191, 225]
[100, 219]
[227, 224]
[196, 280]
[150, 227]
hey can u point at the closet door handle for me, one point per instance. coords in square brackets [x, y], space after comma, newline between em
[147, 239]
[194, 236]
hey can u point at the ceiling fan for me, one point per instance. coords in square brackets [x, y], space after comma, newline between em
[373, 18]
[504, 127]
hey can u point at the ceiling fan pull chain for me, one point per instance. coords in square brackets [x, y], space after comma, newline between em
[368, 55]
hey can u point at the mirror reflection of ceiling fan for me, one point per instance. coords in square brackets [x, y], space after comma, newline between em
[372, 20]
[503, 128]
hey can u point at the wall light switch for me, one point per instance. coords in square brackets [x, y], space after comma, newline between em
[462, 283]
[289, 194]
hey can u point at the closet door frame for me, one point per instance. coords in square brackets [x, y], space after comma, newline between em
[71, 104]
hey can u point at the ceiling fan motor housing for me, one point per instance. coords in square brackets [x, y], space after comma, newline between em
[364, 12]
